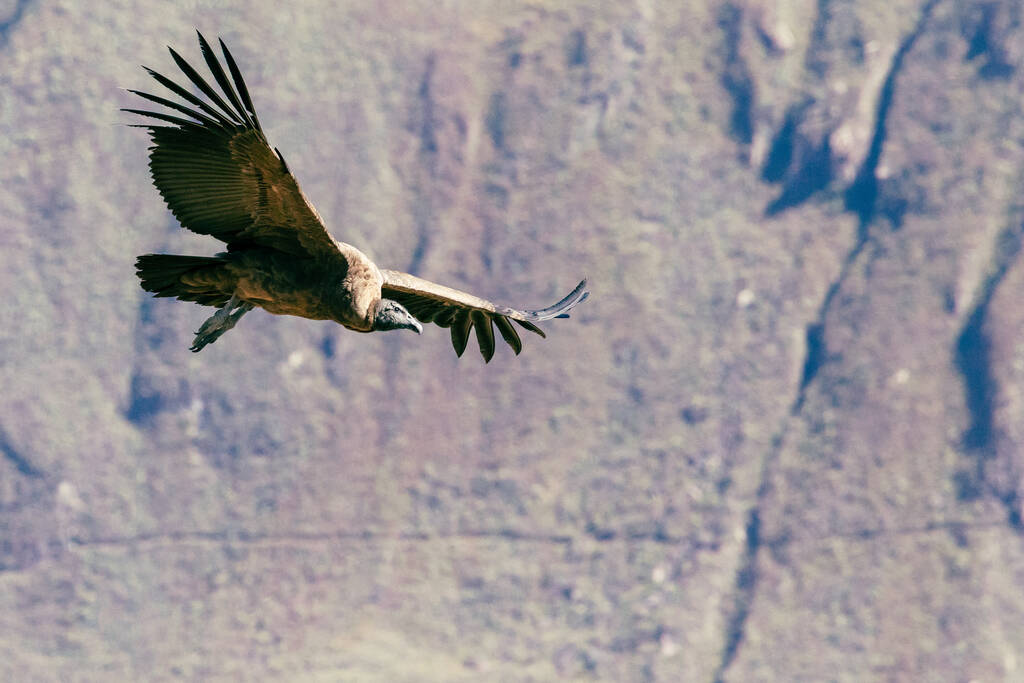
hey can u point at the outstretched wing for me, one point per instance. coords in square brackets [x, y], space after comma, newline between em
[216, 170]
[461, 312]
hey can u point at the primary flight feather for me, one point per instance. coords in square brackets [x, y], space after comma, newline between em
[220, 177]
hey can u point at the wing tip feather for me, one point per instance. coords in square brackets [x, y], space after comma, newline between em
[562, 308]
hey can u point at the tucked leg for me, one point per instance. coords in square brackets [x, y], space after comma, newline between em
[220, 322]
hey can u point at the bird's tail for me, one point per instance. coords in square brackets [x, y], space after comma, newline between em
[202, 279]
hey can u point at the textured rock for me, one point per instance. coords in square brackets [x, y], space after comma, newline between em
[781, 441]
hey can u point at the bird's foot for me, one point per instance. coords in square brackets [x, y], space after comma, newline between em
[219, 323]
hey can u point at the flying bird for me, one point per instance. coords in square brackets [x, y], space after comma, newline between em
[219, 176]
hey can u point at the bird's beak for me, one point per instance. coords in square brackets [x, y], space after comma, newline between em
[417, 328]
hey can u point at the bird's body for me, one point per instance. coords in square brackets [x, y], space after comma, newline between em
[344, 290]
[220, 177]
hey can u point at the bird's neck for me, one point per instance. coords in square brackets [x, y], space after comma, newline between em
[353, 300]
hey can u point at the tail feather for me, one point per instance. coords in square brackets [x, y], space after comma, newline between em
[189, 278]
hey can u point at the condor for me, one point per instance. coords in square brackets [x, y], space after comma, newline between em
[220, 177]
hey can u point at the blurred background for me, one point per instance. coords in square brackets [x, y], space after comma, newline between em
[783, 440]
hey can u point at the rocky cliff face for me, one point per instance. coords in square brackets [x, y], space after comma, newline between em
[782, 441]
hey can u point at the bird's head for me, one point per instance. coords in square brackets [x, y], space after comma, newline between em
[392, 315]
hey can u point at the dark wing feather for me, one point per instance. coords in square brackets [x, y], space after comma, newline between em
[462, 312]
[460, 332]
[484, 333]
[508, 333]
[217, 172]
[243, 92]
[222, 80]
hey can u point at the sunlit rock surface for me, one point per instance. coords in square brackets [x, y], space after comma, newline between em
[781, 441]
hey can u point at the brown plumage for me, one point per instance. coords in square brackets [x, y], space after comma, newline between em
[220, 177]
